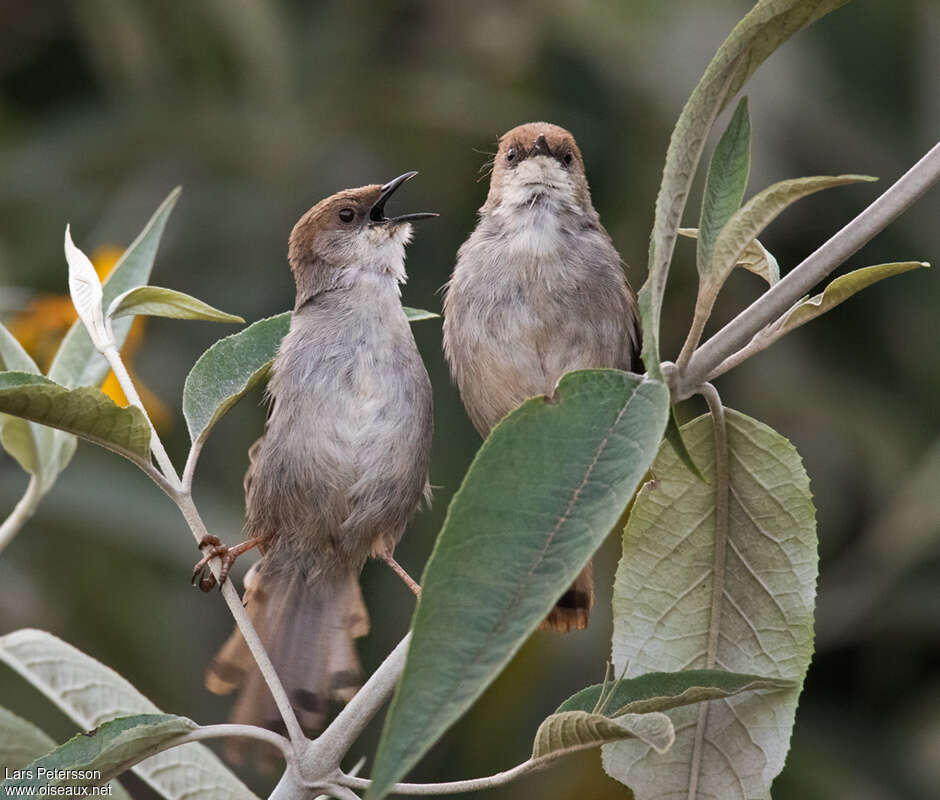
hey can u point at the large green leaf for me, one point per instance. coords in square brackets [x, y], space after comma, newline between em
[692, 594]
[233, 366]
[660, 691]
[725, 183]
[569, 731]
[747, 223]
[768, 25]
[92, 694]
[20, 741]
[155, 301]
[85, 412]
[544, 490]
[77, 362]
[94, 757]
[30, 444]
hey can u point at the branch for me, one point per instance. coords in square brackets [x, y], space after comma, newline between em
[120, 372]
[457, 787]
[776, 300]
[188, 509]
[170, 483]
[22, 512]
[342, 733]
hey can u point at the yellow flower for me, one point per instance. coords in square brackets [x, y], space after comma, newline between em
[41, 326]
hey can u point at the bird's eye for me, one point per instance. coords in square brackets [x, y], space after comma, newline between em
[568, 158]
[511, 154]
[347, 215]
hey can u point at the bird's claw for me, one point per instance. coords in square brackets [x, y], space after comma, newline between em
[202, 576]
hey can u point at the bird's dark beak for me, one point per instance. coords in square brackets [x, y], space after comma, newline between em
[541, 147]
[377, 214]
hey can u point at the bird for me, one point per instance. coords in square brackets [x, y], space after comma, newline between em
[538, 290]
[342, 464]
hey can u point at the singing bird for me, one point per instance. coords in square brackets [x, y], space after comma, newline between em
[538, 290]
[343, 462]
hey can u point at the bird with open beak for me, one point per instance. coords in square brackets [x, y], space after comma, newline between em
[343, 462]
[538, 290]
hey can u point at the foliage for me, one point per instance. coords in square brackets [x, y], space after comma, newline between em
[715, 592]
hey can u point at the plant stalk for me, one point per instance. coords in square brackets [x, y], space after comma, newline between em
[22, 512]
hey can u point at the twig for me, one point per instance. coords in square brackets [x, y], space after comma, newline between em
[327, 751]
[457, 787]
[197, 526]
[21, 512]
[798, 282]
[120, 372]
[183, 498]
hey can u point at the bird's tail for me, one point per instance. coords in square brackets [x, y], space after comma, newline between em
[573, 608]
[309, 630]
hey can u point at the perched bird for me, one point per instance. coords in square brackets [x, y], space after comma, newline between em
[343, 462]
[538, 290]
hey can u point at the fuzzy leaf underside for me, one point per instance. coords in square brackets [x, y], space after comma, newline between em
[92, 694]
[666, 620]
[77, 362]
[30, 444]
[569, 731]
[756, 258]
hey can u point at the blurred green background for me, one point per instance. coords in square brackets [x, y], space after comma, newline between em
[259, 109]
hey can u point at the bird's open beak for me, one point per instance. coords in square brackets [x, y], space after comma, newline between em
[377, 214]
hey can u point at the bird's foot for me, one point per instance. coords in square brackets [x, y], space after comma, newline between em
[202, 576]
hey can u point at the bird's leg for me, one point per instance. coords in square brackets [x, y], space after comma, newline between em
[206, 580]
[400, 572]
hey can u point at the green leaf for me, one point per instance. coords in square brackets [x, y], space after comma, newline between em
[840, 290]
[768, 25]
[544, 490]
[725, 183]
[756, 258]
[91, 694]
[745, 225]
[228, 370]
[235, 365]
[93, 758]
[674, 437]
[418, 314]
[77, 362]
[570, 731]
[155, 301]
[660, 691]
[85, 412]
[677, 599]
[28, 443]
[20, 741]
